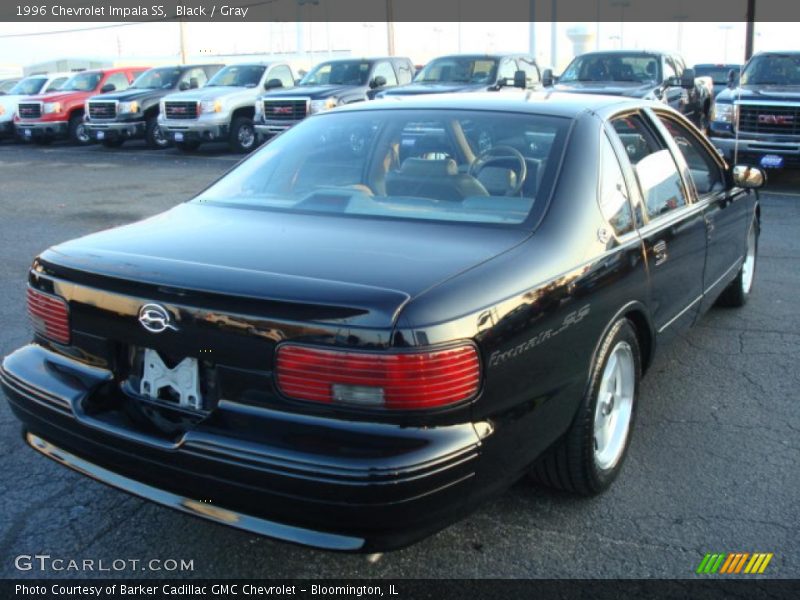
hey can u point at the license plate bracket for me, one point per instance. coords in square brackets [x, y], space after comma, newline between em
[101, 135]
[183, 379]
[178, 136]
[771, 161]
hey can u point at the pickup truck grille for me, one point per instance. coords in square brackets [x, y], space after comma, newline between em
[180, 110]
[769, 119]
[102, 110]
[285, 110]
[29, 110]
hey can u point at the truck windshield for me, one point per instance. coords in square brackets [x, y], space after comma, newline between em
[772, 69]
[82, 82]
[459, 69]
[28, 86]
[238, 76]
[640, 68]
[438, 164]
[345, 72]
[164, 79]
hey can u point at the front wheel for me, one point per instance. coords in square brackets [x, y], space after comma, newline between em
[78, 134]
[154, 135]
[738, 291]
[243, 135]
[589, 456]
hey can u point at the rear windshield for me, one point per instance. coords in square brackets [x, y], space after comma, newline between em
[28, 86]
[446, 165]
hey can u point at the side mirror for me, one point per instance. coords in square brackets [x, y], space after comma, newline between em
[749, 177]
[687, 79]
[547, 78]
[183, 86]
[520, 79]
[732, 79]
[109, 87]
[377, 82]
[273, 83]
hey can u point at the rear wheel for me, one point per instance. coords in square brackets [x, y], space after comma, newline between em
[243, 135]
[590, 455]
[78, 134]
[187, 146]
[154, 134]
[738, 291]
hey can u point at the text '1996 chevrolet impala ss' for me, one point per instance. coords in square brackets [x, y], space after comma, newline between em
[387, 314]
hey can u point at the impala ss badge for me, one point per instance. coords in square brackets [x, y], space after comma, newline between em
[155, 318]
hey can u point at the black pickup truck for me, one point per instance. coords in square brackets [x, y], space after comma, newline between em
[758, 121]
[331, 83]
[471, 73]
[639, 74]
[115, 117]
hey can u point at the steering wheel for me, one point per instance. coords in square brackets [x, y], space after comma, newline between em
[496, 154]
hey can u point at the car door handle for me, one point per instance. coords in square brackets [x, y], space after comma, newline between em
[659, 250]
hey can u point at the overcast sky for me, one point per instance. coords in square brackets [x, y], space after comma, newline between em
[160, 42]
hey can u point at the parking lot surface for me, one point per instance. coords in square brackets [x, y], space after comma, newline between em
[713, 465]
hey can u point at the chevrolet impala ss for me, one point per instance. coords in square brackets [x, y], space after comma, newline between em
[388, 314]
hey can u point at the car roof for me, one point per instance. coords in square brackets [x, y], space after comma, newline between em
[481, 55]
[544, 103]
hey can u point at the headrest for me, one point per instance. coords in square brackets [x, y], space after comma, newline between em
[422, 167]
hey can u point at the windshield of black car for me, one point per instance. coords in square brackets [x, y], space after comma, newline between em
[28, 86]
[350, 72]
[719, 75]
[772, 69]
[82, 82]
[640, 68]
[157, 79]
[238, 76]
[443, 164]
[459, 69]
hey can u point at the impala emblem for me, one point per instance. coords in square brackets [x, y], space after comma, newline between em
[155, 318]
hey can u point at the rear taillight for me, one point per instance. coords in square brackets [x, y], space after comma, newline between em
[393, 380]
[49, 315]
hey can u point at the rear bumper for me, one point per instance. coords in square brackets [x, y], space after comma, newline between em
[42, 129]
[116, 131]
[333, 484]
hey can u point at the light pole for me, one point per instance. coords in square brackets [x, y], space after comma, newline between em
[725, 31]
[368, 27]
[622, 5]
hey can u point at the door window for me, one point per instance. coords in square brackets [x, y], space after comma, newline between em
[405, 72]
[703, 169]
[283, 73]
[56, 84]
[507, 69]
[384, 69]
[656, 171]
[613, 194]
[118, 80]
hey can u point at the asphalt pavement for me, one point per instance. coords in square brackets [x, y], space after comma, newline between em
[713, 465]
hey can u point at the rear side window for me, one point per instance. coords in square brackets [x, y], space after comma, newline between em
[660, 182]
[703, 169]
[613, 194]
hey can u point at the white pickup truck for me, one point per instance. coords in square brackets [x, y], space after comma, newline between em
[224, 108]
[30, 86]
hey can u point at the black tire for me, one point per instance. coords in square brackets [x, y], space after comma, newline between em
[243, 137]
[738, 290]
[115, 143]
[187, 146]
[571, 464]
[154, 135]
[77, 131]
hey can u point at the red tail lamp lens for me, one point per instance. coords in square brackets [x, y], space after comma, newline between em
[400, 381]
[49, 315]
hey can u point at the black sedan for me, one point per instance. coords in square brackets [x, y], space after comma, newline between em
[387, 314]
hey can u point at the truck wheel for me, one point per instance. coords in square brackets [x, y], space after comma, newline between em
[77, 131]
[155, 135]
[243, 136]
[589, 456]
[738, 291]
[116, 143]
[187, 146]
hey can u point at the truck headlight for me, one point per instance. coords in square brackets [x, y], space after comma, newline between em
[51, 107]
[725, 113]
[211, 106]
[321, 105]
[128, 108]
[2, 110]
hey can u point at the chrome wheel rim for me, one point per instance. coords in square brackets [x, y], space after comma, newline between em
[246, 136]
[159, 137]
[612, 415]
[81, 134]
[749, 265]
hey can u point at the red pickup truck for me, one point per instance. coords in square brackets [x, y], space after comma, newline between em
[59, 115]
